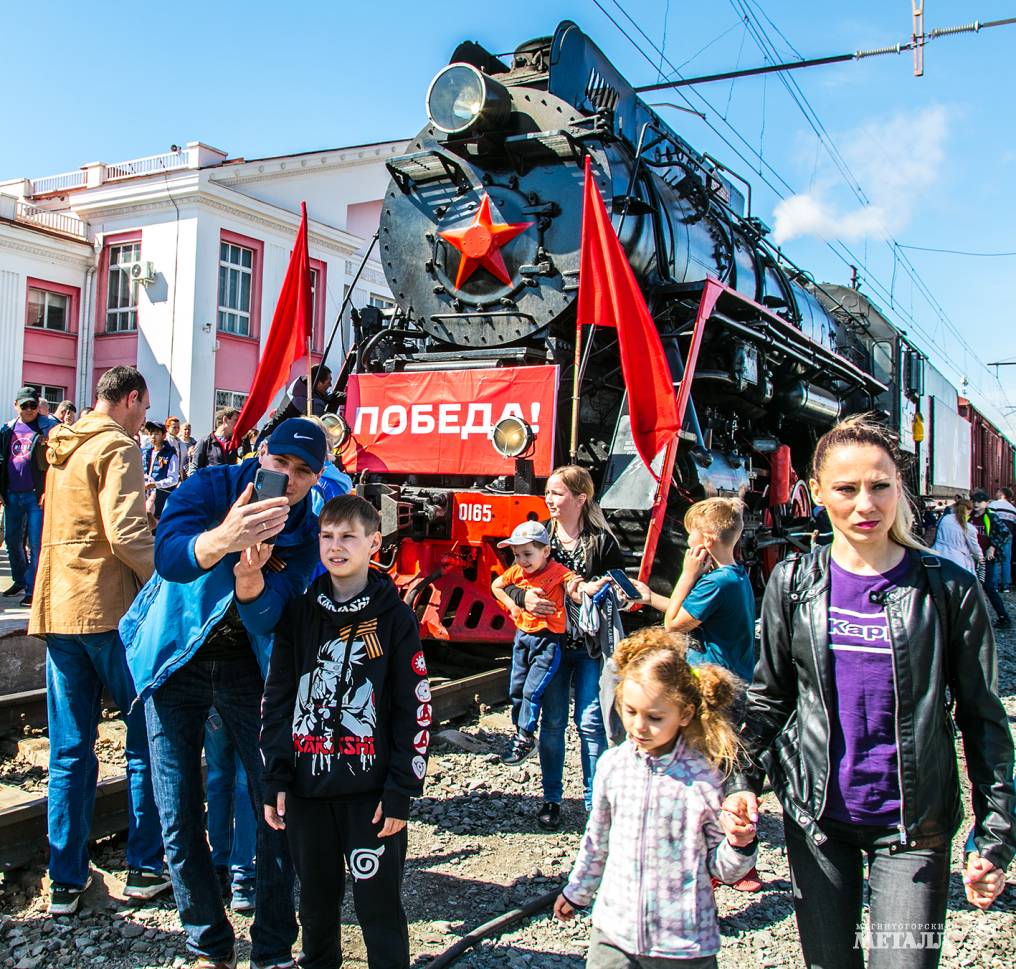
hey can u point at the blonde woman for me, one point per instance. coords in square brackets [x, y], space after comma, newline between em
[848, 715]
[956, 538]
[581, 540]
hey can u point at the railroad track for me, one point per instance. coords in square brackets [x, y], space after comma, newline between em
[23, 826]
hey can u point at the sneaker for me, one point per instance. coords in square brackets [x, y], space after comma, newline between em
[751, 883]
[145, 884]
[27, 601]
[64, 899]
[207, 962]
[243, 897]
[522, 747]
[1004, 623]
[284, 964]
[15, 589]
[549, 816]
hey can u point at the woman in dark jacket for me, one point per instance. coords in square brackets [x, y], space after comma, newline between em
[580, 540]
[848, 715]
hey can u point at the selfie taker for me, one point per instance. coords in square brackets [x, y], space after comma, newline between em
[235, 544]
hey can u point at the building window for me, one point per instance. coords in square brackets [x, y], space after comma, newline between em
[54, 395]
[121, 295]
[315, 328]
[229, 398]
[47, 310]
[381, 302]
[236, 271]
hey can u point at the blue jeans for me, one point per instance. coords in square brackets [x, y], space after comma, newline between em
[232, 827]
[535, 657]
[991, 591]
[23, 516]
[177, 712]
[1001, 568]
[77, 669]
[579, 668]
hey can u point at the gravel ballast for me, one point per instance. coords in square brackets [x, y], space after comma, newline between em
[476, 851]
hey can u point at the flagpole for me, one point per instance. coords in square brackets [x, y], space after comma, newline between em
[310, 370]
[576, 380]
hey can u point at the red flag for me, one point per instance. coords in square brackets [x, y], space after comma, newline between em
[610, 296]
[287, 338]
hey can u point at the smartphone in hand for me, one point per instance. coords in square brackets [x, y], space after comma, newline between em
[270, 484]
[622, 581]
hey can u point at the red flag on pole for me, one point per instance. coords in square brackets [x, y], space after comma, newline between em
[610, 296]
[287, 338]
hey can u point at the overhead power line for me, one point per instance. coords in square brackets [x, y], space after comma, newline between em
[856, 55]
[958, 252]
[840, 249]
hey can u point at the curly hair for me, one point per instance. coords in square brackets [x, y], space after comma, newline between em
[656, 657]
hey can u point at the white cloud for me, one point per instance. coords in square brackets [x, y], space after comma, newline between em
[895, 160]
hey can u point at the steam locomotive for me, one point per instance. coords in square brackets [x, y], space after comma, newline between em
[461, 401]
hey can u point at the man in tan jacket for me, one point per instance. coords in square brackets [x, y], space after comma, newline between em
[97, 551]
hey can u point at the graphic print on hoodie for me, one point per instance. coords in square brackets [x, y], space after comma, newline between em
[338, 687]
[346, 709]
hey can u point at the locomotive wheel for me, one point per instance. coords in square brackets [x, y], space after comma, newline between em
[782, 519]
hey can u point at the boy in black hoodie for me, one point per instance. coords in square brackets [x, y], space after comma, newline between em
[344, 734]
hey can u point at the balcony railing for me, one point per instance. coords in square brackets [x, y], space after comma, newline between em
[57, 221]
[152, 165]
[57, 183]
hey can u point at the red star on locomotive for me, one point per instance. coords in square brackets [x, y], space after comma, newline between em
[480, 244]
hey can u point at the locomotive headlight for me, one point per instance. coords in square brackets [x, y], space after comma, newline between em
[336, 429]
[511, 437]
[462, 97]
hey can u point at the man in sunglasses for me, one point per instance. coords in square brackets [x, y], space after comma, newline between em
[22, 483]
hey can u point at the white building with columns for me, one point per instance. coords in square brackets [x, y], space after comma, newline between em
[174, 263]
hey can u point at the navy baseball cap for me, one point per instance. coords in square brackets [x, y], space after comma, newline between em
[302, 439]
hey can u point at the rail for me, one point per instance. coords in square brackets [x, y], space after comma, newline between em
[23, 826]
[57, 221]
[58, 183]
[150, 165]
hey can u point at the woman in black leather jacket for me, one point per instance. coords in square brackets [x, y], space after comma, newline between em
[864, 645]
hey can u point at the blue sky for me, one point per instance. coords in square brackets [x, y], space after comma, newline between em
[935, 157]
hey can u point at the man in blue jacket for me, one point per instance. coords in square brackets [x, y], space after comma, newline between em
[199, 635]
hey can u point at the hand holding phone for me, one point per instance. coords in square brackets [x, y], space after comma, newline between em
[625, 584]
[270, 484]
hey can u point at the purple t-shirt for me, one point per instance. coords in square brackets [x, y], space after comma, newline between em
[19, 468]
[864, 784]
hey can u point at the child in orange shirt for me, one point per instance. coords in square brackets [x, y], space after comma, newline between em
[536, 654]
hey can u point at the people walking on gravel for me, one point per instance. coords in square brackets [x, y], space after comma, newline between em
[345, 733]
[536, 654]
[654, 836]
[580, 540]
[22, 485]
[1003, 508]
[956, 538]
[849, 714]
[993, 535]
[96, 553]
[199, 635]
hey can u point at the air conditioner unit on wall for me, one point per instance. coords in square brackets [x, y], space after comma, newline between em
[139, 272]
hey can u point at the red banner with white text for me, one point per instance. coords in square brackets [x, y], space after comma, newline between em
[439, 422]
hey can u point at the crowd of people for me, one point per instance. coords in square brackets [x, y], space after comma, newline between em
[255, 631]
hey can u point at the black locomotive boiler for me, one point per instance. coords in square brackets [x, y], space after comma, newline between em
[480, 240]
